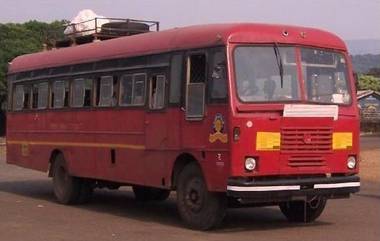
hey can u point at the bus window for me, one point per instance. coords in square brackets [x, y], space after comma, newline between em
[197, 65]
[39, 95]
[34, 96]
[132, 89]
[18, 97]
[81, 96]
[87, 93]
[325, 75]
[157, 92]
[218, 81]
[259, 77]
[139, 89]
[78, 93]
[105, 91]
[126, 85]
[195, 94]
[58, 94]
[67, 94]
[26, 99]
[43, 91]
[175, 79]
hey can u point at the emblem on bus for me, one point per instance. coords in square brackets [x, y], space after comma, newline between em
[307, 139]
[24, 149]
[218, 128]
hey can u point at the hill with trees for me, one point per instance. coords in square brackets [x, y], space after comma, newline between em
[364, 62]
[18, 39]
[363, 46]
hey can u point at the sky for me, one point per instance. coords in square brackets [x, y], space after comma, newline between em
[350, 19]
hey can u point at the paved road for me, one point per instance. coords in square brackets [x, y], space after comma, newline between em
[28, 212]
[370, 142]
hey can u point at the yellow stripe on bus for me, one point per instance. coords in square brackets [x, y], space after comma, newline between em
[77, 144]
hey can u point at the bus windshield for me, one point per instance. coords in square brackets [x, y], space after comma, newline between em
[258, 75]
[269, 74]
[325, 76]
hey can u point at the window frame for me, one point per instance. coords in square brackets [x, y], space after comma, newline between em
[46, 97]
[299, 81]
[188, 67]
[181, 82]
[133, 74]
[51, 100]
[346, 75]
[209, 84]
[165, 80]
[189, 84]
[15, 97]
[29, 104]
[97, 91]
[72, 92]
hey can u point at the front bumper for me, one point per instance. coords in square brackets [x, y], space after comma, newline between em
[293, 189]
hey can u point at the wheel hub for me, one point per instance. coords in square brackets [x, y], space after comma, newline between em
[193, 195]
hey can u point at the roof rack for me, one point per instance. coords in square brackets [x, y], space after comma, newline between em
[99, 29]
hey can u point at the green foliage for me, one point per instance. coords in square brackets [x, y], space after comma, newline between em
[18, 39]
[368, 82]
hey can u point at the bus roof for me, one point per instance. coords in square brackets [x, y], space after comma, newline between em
[175, 39]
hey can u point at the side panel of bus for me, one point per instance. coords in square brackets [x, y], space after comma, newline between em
[134, 144]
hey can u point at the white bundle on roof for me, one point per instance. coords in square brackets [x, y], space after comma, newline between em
[81, 24]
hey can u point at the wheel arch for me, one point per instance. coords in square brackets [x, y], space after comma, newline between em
[52, 158]
[181, 161]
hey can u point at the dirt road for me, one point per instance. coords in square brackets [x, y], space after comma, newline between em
[28, 212]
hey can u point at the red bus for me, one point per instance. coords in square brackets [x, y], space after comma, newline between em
[226, 115]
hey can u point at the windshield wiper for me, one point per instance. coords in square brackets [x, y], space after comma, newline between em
[279, 63]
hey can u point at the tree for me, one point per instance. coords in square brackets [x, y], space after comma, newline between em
[19, 39]
[368, 82]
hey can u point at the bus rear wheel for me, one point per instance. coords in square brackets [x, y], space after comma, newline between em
[198, 208]
[301, 211]
[66, 187]
[144, 194]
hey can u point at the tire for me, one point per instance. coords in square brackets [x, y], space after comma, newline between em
[145, 194]
[66, 188]
[198, 208]
[294, 211]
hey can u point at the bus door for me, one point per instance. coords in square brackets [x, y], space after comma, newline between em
[156, 117]
[204, 132]
[194, 133]
[203, 128]
[156, 129]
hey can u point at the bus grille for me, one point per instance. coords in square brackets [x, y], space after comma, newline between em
[306, 140]
[306, 161]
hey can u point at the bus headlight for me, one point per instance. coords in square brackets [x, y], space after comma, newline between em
[250, 163]
[351, 162]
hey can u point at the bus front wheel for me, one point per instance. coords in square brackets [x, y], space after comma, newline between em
[198, 208]
[301, 211]
[66, 187]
